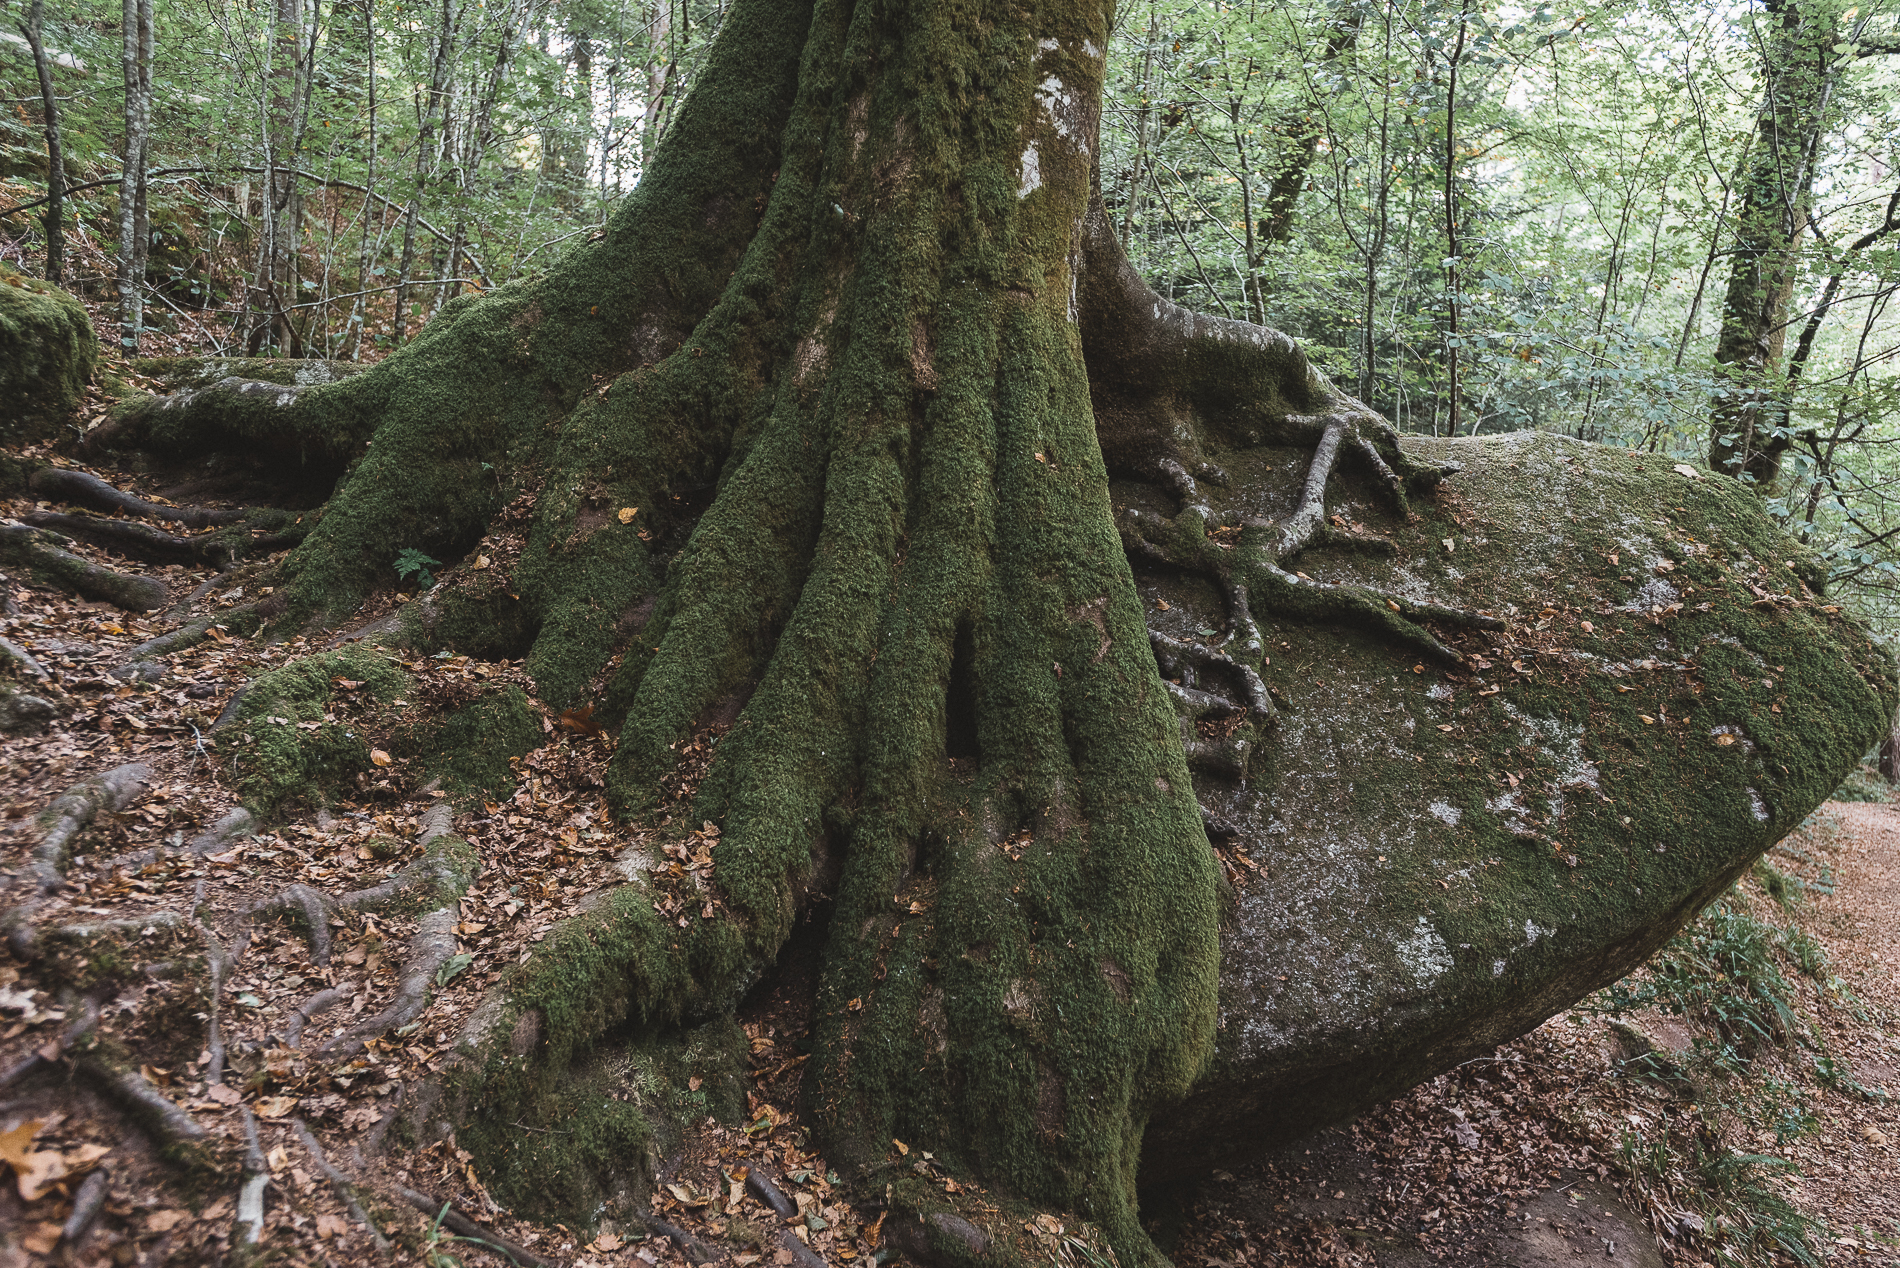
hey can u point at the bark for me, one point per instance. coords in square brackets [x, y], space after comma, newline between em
[1749, 432]
[808, 454]
[55, 216]
[134, 229]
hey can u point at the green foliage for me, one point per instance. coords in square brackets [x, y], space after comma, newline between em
[412, 564]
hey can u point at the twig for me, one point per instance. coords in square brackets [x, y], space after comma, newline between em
[462, 1226]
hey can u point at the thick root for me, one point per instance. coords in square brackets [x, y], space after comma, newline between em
[69, 815]
[82, 488]
[341, 1184]
[464, 1227]
[38, 551]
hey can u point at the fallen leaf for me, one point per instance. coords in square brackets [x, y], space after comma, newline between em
[379, 757]
[1647, 720]
[1588, 628]
[223, 1095]
[627, 513]
[165, 1221]
[43, 1238]
[1724, 740]
[276, 1106]
[330, 1226]
[1684, 469]
[607, 1243]
[481, 562]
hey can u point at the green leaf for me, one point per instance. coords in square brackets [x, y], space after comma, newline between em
[450, 971]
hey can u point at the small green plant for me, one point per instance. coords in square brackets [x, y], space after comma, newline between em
[412, 563]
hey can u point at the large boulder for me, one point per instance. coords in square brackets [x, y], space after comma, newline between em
[1449, 857]
[47, 354]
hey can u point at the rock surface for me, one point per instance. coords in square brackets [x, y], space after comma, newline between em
[1449, 856]
[47, 354]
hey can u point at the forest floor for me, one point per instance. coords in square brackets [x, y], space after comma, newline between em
[1568, 1142]
[1640, 1139]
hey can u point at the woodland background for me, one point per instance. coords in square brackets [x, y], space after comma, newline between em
[1478, 216]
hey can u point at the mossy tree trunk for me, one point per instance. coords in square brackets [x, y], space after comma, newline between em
[810, 449]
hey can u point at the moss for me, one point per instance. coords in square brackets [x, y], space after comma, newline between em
[469, 749]
[289, 741]
[47, 354]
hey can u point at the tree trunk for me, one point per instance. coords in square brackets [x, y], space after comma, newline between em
[55, 217]
[1749, 432]
[134, 231]
[805, 457]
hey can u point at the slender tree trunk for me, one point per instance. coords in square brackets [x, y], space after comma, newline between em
[55, 217]
[1749, 430]
[441, 67]
[134, 230]
[1452, 337]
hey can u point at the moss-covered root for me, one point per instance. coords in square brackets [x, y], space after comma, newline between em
[73, 810]
[82, 488]
[38, 551]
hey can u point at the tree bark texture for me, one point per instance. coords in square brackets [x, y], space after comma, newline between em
[55, 216]
[1749, 432]
[134, 232]
[805, 460]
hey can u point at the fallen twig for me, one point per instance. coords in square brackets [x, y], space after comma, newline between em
[462, 1226]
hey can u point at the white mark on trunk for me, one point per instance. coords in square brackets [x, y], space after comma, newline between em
[1446, 813]
[1757, 806]
[1534, 931]
[1032, 172]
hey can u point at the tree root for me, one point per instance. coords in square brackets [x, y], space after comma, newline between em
[32, 1062]
[82, 488]
[39, 551]
[302, 900]
[12, 651]
[322, 1002]
[340, 1183]
[69, 814]
[87, 1204]
[136, 540]
[464, 1227]
[247, 1227]
[696, 1251]
[233, 824]
[162, 1116]
[438, 879]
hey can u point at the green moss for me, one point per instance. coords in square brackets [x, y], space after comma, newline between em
[469, 749]
[294, 736]
[47, 354]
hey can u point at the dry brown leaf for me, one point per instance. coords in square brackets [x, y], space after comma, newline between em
[627, 513]
[379, 757]
[276, 1106]
[165, 1221]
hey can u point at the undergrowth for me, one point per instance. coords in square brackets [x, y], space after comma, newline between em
[1734, 975]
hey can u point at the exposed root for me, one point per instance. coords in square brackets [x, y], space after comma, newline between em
[696, 1251]
[1176, 657]
[345, 1191]
[136, 540]
[34, 1061]
[87, 1203]
[464, 1227]
[435, 874]
[12, 651]
[38, 551]
[162, 1116]
[322, 1002]
[312, 907]
[193, 632]
[233, 824]
[769, 1193]
[247, 1229]
[429, 949]
[82, 488]
[69, 814]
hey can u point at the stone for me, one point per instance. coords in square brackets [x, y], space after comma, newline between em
[47, 354]
[1449, 855]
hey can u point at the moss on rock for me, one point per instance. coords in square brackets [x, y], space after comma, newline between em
[47, 354]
